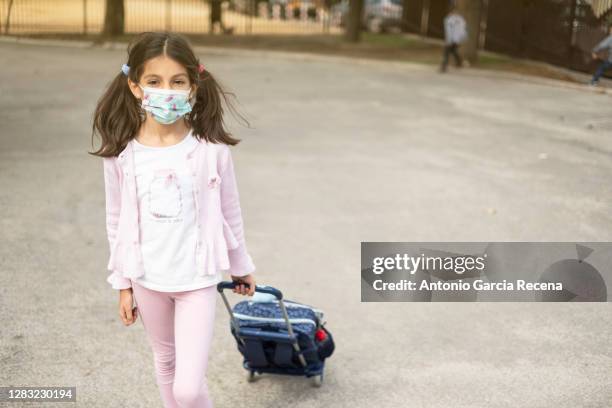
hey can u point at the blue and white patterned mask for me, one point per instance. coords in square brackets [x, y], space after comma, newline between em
[166, 105]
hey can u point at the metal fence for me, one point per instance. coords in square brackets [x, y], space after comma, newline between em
[186, 16]
[561, 32]
[532, 29]
[588, 31]
[425, 16]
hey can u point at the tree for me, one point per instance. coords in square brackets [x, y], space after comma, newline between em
[8, 17]
[471, 10]
[354, 21]
[114, 18]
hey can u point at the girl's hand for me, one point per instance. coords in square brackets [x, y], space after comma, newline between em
[242, 289]
[127, 313]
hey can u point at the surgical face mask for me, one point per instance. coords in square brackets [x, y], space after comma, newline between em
[166, 105]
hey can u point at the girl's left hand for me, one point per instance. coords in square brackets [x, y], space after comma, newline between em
[242, 289]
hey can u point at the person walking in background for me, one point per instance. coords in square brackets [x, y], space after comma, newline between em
[173, 216]
[215, 18]
[605, 44]
[455, 33]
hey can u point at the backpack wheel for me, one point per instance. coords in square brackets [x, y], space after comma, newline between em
[250, 376]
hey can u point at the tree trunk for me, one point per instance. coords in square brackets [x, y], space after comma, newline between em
[405, 14]
[114, 18]
[355, 17]
[471, 10]
[8, 17]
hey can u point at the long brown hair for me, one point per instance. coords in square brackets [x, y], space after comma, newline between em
[118, 115]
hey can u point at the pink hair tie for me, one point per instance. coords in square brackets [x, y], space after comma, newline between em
[200, 68]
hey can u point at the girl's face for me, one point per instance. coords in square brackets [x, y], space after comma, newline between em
[162, 72]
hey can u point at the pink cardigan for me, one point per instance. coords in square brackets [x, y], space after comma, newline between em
[221, 244]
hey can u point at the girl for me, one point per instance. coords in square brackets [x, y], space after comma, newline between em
[173, 215]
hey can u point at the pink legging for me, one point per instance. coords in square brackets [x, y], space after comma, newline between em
[179, 327]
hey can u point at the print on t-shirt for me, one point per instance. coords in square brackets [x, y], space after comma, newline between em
[165, 198]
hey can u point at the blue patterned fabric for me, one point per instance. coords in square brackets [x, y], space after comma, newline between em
[272, 310]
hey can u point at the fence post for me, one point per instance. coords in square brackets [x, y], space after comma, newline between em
[522, 47]
[251, 15]
[85, 17]
[484, 21]
[572, 34]
[168, 15]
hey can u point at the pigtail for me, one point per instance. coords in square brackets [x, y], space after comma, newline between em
[206, 116]
[117, 117]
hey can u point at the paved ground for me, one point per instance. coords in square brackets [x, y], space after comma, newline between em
[340, 153]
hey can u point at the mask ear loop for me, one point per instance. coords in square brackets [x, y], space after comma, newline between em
[193, 99]
[192, 102]
[141, 111]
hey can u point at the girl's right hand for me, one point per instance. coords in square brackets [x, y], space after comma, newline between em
[241, 288]
[127, 313]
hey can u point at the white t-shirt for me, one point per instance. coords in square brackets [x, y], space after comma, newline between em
[168, 218]
[454, 29]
